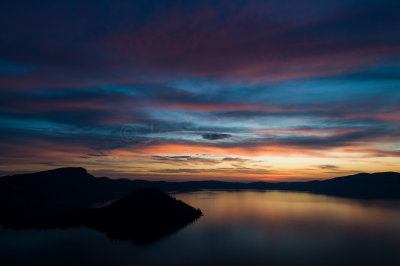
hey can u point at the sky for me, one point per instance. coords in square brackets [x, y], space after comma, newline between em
[195, 90]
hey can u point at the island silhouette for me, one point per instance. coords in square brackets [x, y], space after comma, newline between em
[142, 216]
[141, 210]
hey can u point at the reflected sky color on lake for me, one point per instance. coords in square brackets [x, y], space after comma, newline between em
[238, 228]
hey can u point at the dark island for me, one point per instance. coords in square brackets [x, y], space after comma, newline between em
[142, 216]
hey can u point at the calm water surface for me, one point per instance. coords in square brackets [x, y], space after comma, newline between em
[238, 228]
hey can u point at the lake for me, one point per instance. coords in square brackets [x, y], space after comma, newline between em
[238, 228]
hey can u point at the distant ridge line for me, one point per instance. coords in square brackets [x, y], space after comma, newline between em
[59, 190]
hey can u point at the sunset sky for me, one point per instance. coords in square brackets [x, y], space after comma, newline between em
[198, 90]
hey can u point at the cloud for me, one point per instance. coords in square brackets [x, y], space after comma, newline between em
[252, 41]
[328, 167]
[215, 136]
[170, 81]
[237, 170]
[184, 159]
[234, 159]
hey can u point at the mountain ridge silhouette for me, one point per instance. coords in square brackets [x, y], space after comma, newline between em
[54, 192]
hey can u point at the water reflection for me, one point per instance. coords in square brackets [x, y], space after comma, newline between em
[277, 208]
[298, 228]
[238, 228]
